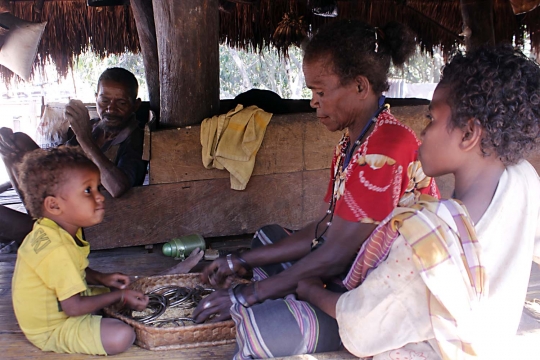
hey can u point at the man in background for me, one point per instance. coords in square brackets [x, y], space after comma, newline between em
[114, 142]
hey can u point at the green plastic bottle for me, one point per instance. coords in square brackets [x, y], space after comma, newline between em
[182, 246]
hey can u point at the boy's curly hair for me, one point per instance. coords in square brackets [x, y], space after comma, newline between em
[499, 87]
[41, 172]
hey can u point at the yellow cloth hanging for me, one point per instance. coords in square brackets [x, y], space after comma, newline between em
[231, 141]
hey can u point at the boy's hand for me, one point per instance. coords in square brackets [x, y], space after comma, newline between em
[135, 300]
[115, 280]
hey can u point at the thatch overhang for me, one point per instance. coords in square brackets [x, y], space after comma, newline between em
[251, 24]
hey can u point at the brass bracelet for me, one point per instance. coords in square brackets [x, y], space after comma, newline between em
[230, 263]
[256, 291]
[244, 263]
[239, 297]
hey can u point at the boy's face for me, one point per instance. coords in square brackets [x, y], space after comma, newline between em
[79, 200]
[440, 150]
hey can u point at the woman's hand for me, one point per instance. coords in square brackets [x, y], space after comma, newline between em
[115, 280]
[218, 273]
[218, 303]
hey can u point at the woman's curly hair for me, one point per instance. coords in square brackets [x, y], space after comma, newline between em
[356, 48]
[500, 88]
[41, 173]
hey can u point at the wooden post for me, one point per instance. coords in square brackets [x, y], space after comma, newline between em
[188, 48]
[477, 23]
[143, 13]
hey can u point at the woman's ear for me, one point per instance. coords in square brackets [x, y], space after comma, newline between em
[363, 86]
[50, 204]
[472, 135]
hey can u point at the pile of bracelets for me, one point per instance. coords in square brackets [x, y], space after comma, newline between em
[167, 297]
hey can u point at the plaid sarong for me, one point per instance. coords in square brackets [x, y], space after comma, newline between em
[447, 255]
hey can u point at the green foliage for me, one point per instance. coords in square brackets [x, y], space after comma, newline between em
[241, 71]
[421, 68]
[244, 70]
[88, 67]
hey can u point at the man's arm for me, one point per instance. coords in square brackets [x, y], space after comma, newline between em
[114, 180]
[13, 147]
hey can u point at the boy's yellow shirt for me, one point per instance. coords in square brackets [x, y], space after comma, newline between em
[50, 268]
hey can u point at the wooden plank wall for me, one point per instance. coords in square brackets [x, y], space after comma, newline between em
[289, 180]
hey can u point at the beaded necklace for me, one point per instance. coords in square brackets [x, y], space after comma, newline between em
[344, 159]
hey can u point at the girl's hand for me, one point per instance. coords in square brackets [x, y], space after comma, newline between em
[135, 300]
[115, 280]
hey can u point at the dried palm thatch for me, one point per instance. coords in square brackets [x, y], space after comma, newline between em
[72, 28]
[256, 24]
[437, 23]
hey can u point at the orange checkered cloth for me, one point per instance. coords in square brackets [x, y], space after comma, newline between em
[448, 256]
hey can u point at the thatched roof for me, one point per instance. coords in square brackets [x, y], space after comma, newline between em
[72, 26]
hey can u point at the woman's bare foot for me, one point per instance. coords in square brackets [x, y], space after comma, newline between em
[185, 266]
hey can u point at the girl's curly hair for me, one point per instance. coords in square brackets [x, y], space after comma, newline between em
[42, 172]
[499, 87]
[356, 48]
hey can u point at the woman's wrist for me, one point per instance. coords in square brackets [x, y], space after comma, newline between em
[243, 261]
[245, 295]
[234, 260]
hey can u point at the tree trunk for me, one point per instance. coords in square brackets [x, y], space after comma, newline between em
[477, 23]
[188, 47]
[143, 14]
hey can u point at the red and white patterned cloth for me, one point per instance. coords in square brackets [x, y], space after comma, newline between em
[383, 173]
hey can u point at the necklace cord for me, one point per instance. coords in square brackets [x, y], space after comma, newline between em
[318, 240]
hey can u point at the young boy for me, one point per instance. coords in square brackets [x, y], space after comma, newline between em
[455, 291]
[52, 300]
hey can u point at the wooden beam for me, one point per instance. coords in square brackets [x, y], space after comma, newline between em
[143, 13]
[188, 49]
[156, 213]
[477, 23]
[291, 143]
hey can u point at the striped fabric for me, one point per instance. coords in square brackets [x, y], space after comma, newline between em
[281, 327]
[371, 254]
[447, 255]
[255, 345]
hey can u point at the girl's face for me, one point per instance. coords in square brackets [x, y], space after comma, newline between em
[440, 149]
[337, 105]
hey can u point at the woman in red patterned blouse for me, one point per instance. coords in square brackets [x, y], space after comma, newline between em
[374, 169]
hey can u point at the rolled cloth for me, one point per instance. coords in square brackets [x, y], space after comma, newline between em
[231, 141]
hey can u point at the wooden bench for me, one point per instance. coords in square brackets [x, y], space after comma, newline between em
[287, 186]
